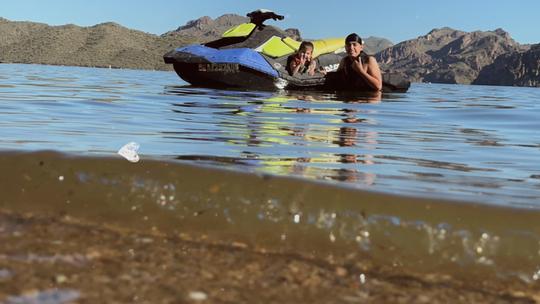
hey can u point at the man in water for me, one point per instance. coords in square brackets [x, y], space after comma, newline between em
[359, 70]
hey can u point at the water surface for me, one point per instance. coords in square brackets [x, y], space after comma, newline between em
[439, 177]
[474, 143]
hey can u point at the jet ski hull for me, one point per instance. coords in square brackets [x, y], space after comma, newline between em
[218, 75]
[236, 68]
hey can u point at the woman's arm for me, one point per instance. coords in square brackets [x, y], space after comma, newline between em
[294, 67]
[312, 66]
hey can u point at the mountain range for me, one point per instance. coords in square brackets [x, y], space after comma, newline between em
[102, 45]
[449, 56]
[443, 55]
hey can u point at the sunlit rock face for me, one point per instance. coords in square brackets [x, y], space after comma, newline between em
[447, 55]
[513, 69]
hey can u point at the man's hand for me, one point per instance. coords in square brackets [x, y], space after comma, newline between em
[358, 66]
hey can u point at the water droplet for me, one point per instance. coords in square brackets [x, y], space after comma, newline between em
[61, 178]
[362, 278]
[536, 276]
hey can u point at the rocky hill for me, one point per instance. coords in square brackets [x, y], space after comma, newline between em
[205, 28]
[513, 69]
[373, 45]
[102, 45]
[447, 55]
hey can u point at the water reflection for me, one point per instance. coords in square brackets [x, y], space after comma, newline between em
[282, 133]
[362, 140]
[352, 140]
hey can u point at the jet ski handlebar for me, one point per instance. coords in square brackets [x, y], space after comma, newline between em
[258, 17]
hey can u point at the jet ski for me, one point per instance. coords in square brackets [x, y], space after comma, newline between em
[254, 56]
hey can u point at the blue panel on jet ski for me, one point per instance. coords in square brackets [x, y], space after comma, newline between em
[242, 56]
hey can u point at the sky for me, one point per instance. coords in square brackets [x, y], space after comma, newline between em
[396, 20]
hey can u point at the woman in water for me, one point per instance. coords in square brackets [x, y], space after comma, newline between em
[302, 62]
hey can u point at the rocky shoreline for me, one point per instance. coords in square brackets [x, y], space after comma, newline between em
[442, 56]
[59, 259]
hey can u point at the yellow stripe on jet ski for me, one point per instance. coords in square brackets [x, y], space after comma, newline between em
[327, 46]
[275, 47]
[292, 43]
[241, 30]
[322, 46]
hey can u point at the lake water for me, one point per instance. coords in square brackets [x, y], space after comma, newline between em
[454, 170]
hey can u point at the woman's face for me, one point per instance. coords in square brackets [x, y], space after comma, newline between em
[306, 53]
[353, 48]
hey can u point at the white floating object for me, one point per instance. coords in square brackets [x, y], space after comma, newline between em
[198, 296]
[129, 152]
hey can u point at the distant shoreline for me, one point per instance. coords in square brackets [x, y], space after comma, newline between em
[92, 67]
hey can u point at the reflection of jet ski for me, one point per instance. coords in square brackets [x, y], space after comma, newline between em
[254, 56]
